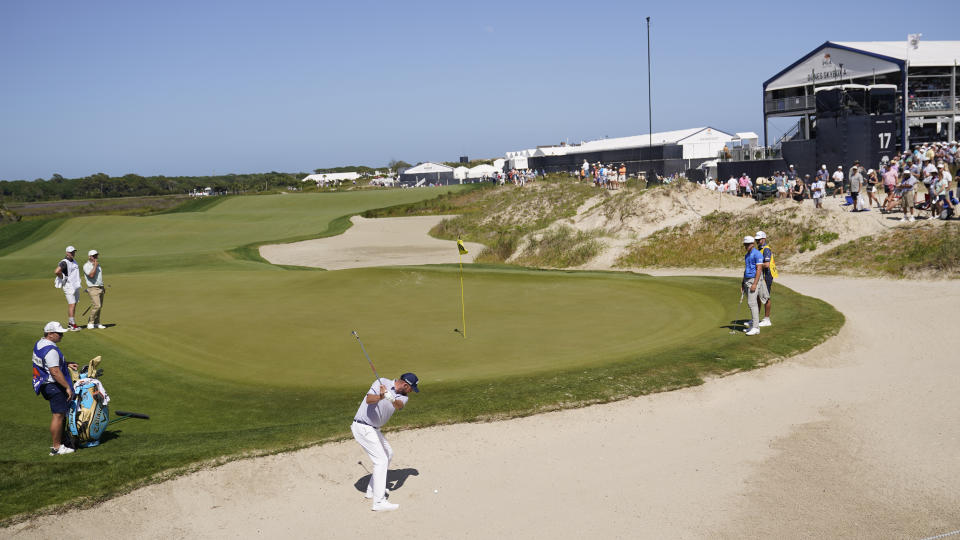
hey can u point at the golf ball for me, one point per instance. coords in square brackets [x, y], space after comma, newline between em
[436, 491]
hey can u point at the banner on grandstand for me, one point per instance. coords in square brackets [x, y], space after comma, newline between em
[831, 65]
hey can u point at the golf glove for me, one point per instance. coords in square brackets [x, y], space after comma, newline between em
[390, 396]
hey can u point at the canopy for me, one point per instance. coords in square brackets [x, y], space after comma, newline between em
[460, 173]
[481, 171]
[428, 167]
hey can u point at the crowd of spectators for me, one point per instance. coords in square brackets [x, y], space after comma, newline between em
[609, 176]
[931, 167]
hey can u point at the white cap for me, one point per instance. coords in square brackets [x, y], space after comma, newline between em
[53, 326]
[71, 249]
[760, 234]
[748, 240]
[92, 252]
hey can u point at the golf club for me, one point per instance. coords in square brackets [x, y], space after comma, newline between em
[362, 348]
[132, 414]
[124, 415]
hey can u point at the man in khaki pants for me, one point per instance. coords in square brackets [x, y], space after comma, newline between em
[94, 276]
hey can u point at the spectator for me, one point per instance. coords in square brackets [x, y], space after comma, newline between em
[908, 195]
[792, 176]
[742, 183]
[822, 174]
[872, 182]
[798, 190]
[856, 180]
[837, 184]
[889, 183]
[819, 189]
[781, 182]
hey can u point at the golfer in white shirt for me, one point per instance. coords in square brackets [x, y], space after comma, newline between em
[383, 399]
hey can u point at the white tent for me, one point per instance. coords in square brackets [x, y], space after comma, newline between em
[427, 172]
[332, 178]
[460, 173]
[481, 171]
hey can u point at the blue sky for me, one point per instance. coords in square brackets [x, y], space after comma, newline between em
[196, 88]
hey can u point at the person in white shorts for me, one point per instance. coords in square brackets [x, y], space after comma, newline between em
[383, 398]
[68, 279]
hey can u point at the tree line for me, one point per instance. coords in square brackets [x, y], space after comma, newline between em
[101, 185]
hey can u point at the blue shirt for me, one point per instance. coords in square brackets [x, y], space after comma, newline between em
[750, 261]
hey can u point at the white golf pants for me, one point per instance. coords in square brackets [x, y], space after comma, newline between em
[380, 454]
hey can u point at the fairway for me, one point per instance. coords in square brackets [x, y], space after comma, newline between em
[231, 356]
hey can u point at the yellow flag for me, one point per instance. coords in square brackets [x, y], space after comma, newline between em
[463, 250]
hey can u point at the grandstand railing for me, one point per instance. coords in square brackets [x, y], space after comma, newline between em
[797, 103]
[749, 153]
[932, 104]
[789, 135]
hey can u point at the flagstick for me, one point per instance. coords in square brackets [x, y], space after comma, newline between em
[463, 309]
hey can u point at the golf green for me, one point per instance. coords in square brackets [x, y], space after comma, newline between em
[232, 357]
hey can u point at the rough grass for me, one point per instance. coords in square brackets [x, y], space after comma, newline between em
[119, 206]
[14, 236]
[196, 204]
[561, 247]
[715, 240]
[923, 251]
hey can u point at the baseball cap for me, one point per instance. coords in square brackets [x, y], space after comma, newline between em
[71, 249]
[760, 234]
[92, 252]
[748, 240]
[53, 326]
[411, 379]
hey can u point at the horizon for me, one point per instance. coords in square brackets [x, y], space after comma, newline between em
[184, 89]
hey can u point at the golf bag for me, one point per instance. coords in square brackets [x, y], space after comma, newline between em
[88, 413]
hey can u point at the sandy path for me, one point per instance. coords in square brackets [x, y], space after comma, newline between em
[857, 438]
[372, 242]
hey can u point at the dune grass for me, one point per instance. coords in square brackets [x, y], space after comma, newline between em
[233, 357]
[504, 215]
[561, 247]
[714, 241]
[924, 250]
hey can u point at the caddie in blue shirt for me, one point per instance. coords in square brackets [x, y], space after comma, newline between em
[752, 285]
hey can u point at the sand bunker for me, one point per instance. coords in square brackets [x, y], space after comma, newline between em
[373, 242]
